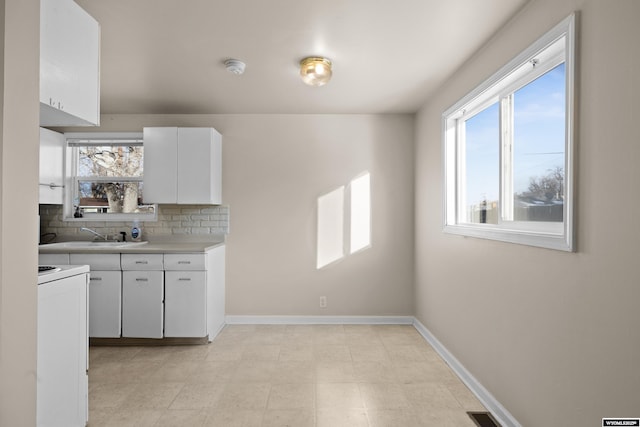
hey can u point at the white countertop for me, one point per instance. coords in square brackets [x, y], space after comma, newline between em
[151, 247]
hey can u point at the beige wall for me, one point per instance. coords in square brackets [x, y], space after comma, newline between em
[274, 168]
[19, 43]
[554, 336]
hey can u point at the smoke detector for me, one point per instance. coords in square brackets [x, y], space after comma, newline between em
[235, 66]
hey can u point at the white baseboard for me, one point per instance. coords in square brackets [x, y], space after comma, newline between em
[498, 411]
[319, 320]
[215, 333]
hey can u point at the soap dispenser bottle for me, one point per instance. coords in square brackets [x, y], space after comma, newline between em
[136, 231]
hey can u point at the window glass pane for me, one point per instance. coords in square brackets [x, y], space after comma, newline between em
[481, 173]
[511, 165]
[122, 195]
[111, 197]
[117, 160]
[539, 148]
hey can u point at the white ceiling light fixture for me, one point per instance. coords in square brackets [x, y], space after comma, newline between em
[315, 71]
[235, 66]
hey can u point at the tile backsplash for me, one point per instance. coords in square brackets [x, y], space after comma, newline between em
[172, 220]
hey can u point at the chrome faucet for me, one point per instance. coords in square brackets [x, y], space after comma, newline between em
[94, 232]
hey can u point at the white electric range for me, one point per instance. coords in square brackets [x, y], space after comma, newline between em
[62, 358]
[49, 273]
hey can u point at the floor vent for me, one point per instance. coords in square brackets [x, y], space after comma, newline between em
[483, 419]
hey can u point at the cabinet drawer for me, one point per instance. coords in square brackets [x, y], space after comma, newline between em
[96, 261]
[144, 262]
[53, 259]
[181, 262]
[178, 278]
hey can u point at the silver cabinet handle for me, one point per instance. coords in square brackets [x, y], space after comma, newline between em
[96, 278]
[53, 104]
[141, 279]
[184, 262]
[184, 279]
[52, 185]
[142, 262]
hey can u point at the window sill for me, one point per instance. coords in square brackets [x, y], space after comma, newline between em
[115, 217]
[548, 240]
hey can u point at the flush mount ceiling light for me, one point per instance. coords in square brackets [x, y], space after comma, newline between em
[235, 66]
[315, 71]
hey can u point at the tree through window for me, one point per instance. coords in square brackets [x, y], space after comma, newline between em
[106, 177]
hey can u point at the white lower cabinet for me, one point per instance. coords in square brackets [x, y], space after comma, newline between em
[142, 296]
[105, 293]
[105, 303]
[142, 304]
[186, 289]
[185, 305]
[153, 295]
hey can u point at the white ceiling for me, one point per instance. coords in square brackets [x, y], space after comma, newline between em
[166, 56]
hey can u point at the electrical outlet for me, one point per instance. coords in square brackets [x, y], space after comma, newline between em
[323, 302]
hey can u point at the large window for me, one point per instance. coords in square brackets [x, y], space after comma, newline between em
[509, 149]
[104, 177]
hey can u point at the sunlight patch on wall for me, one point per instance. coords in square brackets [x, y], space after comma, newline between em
[338, 210]
[360, 213]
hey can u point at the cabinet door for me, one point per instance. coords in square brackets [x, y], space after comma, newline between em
[185, 306]
[182, 165]
[69, 65]
[51, 167]
[199, 166]
[142, 304]
[160, 166]
[105, 304]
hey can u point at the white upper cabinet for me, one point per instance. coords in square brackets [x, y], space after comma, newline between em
[69, 65]
[182, 166]
[51, 167]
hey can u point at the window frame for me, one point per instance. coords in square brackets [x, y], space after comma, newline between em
[71, 179]
[506, 81]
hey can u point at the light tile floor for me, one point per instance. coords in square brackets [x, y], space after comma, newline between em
[281, 375]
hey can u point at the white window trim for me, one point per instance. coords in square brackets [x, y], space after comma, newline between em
[558, 236]
[71, 180]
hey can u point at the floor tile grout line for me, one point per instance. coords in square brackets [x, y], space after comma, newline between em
[384, 337]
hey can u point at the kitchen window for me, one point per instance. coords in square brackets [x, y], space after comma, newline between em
[104, 178]
[509, 149]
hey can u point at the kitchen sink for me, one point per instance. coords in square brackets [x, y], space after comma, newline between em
[94, 244]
